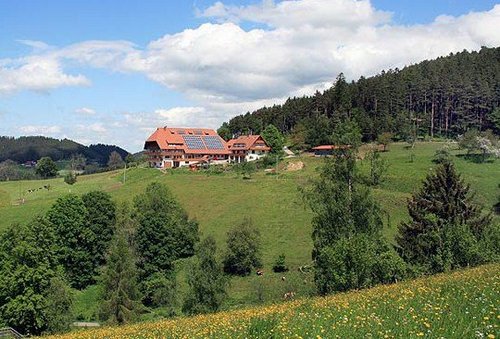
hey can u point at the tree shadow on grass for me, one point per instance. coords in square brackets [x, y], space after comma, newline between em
[476, 158]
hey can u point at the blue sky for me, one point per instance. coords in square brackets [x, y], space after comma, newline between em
[112, 71]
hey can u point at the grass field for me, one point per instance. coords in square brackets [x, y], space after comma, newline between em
[273, 202]
[462, 304]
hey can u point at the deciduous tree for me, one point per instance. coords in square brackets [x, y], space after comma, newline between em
[243, 249]
[206, 280]
[46, 167]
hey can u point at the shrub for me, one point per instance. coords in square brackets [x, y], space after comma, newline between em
[280, 265]
[442, 155]
[70, 178]
[160, 290]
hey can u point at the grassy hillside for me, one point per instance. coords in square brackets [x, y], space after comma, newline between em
[462, 304]
[273, 202]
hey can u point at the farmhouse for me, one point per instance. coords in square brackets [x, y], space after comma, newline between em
[176, 147]
[247, 148]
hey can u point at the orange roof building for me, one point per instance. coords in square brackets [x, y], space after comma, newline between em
[326, 150]
[247, 148]
[177, 147]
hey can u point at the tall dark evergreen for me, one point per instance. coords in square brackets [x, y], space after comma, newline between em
[120, 298]
[447, 228]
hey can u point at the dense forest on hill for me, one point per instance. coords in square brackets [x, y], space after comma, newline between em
[32, 148]
[442, 97]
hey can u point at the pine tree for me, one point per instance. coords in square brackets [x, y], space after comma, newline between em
[447, 228]
[120, 293]
[206, 280]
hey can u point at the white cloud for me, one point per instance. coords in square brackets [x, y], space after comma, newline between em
[36, 45]
[295, 13]
[85, 111]
[36, 73]
[40, 130]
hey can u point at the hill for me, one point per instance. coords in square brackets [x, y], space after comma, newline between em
[32, 148]
[220, 201]
[462, 304]
[442, 97]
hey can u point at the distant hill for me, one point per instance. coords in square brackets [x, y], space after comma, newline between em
[32, 148]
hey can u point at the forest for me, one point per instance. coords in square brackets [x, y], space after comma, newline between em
[439, 98]
[32, 148]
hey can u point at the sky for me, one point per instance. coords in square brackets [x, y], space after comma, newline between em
[112, 71]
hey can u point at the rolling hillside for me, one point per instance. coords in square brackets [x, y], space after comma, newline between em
[273, 202]
[461, 304]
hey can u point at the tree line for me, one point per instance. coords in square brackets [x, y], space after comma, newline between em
[439, 98]
[32, 148]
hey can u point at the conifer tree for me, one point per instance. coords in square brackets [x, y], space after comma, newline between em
[206, 280]
[120, 293]
[447, 229]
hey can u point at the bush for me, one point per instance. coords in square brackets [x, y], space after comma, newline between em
[70, 178]
[280, 265]
[357, 262]
[160, 290]
[243, 249]
[442, 155]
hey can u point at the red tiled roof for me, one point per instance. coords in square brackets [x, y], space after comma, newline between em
[172, 139]
[248, 141]
[329, 147]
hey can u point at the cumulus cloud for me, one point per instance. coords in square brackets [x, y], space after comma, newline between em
[85, 111]
[296, 13]
[36, 73]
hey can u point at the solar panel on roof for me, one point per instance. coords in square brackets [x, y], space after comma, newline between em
[213, 142]
[193, 142]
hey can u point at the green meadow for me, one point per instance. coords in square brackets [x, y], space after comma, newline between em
[273, 202]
